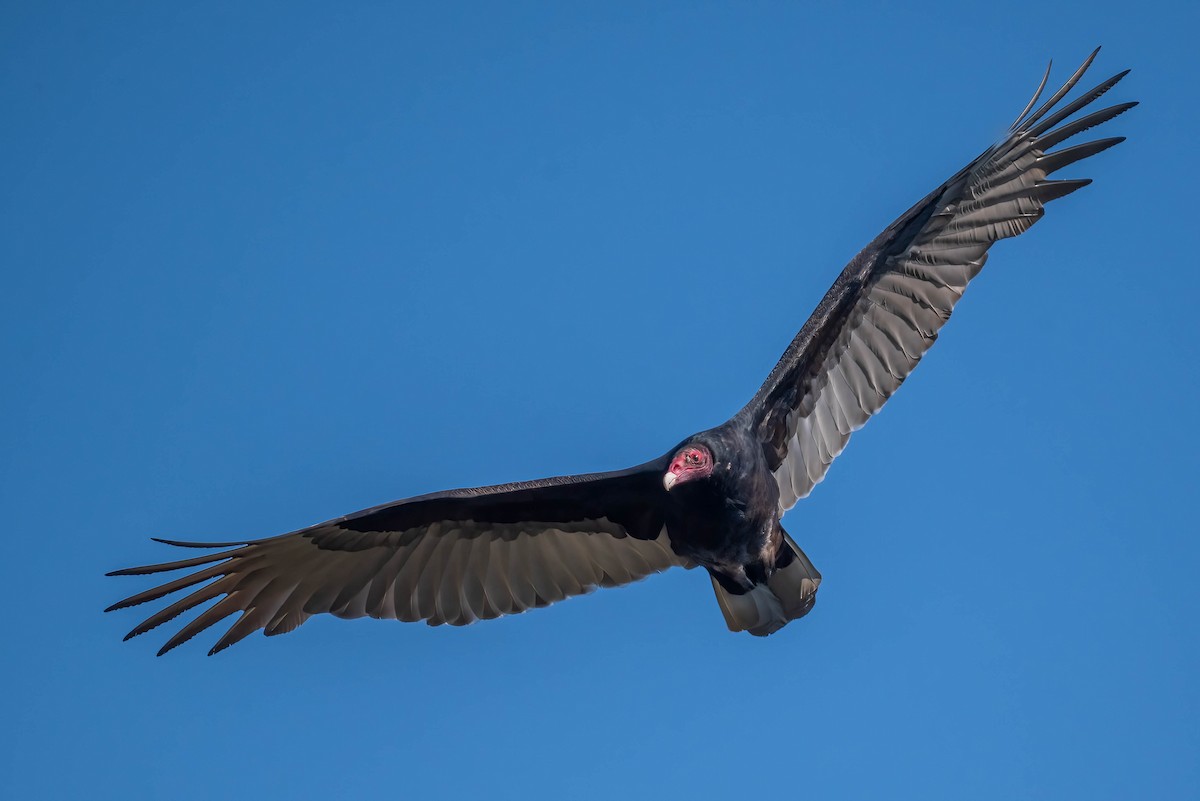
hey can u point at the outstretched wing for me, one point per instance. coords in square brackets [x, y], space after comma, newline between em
[449, 557]
[885, 309]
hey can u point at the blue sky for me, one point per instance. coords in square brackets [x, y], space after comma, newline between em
[268, 265]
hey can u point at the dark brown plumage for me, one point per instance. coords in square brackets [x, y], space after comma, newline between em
[713, 501]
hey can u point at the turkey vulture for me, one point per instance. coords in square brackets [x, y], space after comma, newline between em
[714, 500]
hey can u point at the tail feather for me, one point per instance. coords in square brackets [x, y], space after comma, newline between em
[789, 594]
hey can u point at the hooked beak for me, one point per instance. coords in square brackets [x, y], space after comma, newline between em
[669, 480]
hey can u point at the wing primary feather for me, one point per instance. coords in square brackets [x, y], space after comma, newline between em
[1052, 138]
[244, 626]
[173, 611]
[1076, 104]
[154, 593]
[166, 567]
[1034, 99]
[209, 617]
[189, 544]
[1053, 162]
[1053, 190]
[1062, 92]
[257, 614]
[239, 599]
[292, 611]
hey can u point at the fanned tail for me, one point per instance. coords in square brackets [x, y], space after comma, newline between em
[789, 594]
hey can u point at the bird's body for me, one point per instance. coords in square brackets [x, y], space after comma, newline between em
[714, 501]
[730, 522]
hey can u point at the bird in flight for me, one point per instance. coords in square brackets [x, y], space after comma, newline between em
[713, 501]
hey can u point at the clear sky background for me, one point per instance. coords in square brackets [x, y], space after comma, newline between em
[268, 264]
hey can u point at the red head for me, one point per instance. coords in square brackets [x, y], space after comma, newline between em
[688, 464]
